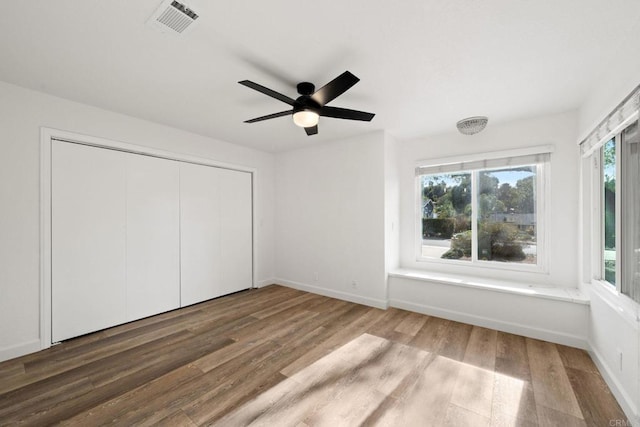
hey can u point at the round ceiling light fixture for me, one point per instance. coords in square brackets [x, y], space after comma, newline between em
[472, 125]
[305, 118]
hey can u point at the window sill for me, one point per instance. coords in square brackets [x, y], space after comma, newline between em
[495, 265]
[621, 304]
[573, 295]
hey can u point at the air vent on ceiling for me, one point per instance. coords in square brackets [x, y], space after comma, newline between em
[172, 17]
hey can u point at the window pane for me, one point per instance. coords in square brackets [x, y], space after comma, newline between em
[630, 252]
[446, 216]
[609, 210]
[507, 215]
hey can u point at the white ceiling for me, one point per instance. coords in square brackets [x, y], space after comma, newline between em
[423, 64]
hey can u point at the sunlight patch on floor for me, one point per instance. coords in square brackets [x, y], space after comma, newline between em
[372, 380]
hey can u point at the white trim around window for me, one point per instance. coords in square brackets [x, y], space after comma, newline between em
[473, 164]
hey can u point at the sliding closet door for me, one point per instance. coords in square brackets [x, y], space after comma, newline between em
[134, 236]
[201, 266]
[88, 239]
[216, 232]
[236, 234]
[153, 236]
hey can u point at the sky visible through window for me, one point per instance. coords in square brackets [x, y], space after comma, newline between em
[510, 177]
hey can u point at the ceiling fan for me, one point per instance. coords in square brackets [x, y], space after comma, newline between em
[312, 103]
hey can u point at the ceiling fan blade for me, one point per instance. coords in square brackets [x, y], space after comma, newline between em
[267, 91]
[345, 113]
[270, 116]
[311, 130]
[334, 88]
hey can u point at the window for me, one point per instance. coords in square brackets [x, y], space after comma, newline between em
[620, 211]
[612, 201]
[483, 212]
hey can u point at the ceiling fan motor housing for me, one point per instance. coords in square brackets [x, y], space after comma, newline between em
[306, 88]
[306, 103]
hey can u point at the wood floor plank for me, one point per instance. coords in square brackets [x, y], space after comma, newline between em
[11, 370]
[202, 363]
[476, 380]
[513, 398]
[474, 390]
[386, 328]
[511, 356]
[481, 348]
[456, 340]
[576, 358]
[551, 385]
[431, 337]
[513, 401]
[458, 416]
[283, 305]
[596, 401]
[411, 324]
[177, 419]
[548, 417]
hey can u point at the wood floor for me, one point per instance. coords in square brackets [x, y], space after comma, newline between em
[278, 356]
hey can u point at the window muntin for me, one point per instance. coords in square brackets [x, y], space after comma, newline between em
[481, 214]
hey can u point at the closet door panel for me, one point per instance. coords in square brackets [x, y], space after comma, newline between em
[153, 236]
[88, 239]
[236, 232]
[199, 233]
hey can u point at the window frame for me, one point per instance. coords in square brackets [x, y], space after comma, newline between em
[543, 203]
[623, 192]
[600, 248]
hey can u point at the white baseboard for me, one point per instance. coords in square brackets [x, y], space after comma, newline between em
[486, 322]
[18, 350]
[358, 299]
[265, 282]
[628, 406]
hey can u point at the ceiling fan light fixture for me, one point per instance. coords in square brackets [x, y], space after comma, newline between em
[305, 118]
[472, 125]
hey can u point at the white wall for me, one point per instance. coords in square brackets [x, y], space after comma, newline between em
[612, 87]
[330, 219]
[558, 130]
[615, 331]
[22, 113]
[391, 203]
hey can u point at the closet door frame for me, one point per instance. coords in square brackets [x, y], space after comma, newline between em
[46, 137]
